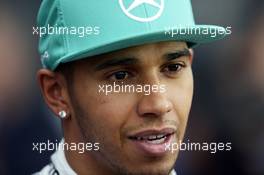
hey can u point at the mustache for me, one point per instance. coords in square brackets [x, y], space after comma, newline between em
[147, 124]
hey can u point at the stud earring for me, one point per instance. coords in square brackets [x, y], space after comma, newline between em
[62, 114]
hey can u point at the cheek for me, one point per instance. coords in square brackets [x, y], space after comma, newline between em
[181, 94]
[108, 113]
[113, 109]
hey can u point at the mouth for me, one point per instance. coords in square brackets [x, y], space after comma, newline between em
[153, 142]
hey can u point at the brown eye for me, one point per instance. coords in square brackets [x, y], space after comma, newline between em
[120, 75]
[172, 68]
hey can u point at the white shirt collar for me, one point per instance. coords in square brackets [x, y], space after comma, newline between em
[60, 162]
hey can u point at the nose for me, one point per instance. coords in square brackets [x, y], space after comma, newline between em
[155, 104]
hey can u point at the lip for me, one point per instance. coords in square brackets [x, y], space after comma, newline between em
[146, 132]
[149, 148]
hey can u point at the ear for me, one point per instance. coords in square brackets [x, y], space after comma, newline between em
[54, 90]
[191, 55]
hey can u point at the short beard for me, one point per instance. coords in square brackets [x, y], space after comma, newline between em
[113, 166]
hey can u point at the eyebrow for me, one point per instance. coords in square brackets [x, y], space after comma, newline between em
[132, 61]
[177, 54]
[116, 62]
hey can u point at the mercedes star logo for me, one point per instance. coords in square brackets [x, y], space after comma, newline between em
[136, 3]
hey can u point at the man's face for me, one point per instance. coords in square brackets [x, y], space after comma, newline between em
[126, 123]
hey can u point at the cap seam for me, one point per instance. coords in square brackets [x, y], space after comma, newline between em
[63, 23]
[148, 24]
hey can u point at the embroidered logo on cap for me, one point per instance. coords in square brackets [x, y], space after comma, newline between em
[128, 10]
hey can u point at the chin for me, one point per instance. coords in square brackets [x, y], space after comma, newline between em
[154, 171]
[162, 167]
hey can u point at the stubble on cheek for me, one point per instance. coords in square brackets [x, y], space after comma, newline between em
[97, 118]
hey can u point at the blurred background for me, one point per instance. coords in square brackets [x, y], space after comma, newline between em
[228, 104]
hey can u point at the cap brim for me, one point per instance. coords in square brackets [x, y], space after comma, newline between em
[196, 35]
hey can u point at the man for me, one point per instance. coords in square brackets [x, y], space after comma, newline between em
[96, 82]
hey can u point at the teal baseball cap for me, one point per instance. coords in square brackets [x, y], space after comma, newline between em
[71, 30]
